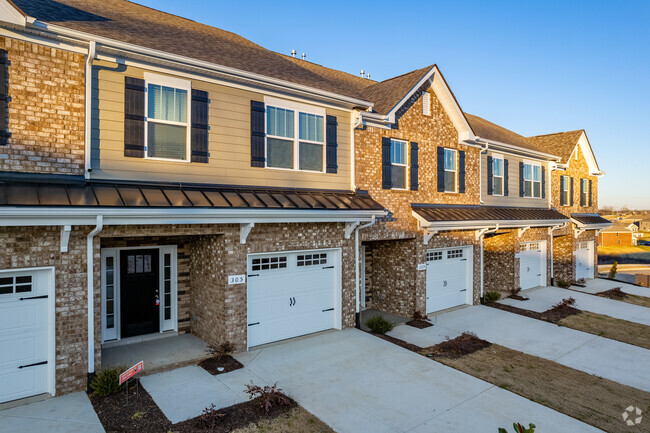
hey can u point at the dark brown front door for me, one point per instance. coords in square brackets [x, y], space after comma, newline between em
[139, 297]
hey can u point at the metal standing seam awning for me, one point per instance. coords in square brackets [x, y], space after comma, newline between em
[590, 221]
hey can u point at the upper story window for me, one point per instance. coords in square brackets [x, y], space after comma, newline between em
[532, 180]
[398, 150]
[497, 175]
[451, 172]
[167, 129]
[584, 192]
[564, 190]
[295, 138]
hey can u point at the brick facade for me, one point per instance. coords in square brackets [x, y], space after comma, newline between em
[46, 110]
[608, 239]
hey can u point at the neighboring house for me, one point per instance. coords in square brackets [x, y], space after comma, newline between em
[574, 193]
[620, 234]
[644, 225]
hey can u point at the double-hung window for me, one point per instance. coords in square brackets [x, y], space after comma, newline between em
[584, 192]
[295, 137]
[497, 175]
[451, 172]
[532, 180]
[168, 105]
[564, 190]
[398, 163]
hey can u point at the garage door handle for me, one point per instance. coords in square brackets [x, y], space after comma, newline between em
[33, 365]
[329, 309]
[253, 324]
[464, 290]
[463, 260]
[328, 267]
[33, 297]
[254, 275]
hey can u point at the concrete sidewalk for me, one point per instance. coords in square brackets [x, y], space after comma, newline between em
[72, 413]
[600, 285]
[620, 362]
[543, 298]
[358, 383]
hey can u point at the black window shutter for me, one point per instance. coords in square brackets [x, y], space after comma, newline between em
[134, 117]
[590, 201]
[386, 169]
[4, 100]
[521, 179]
[543, 182]
[200, 126]
[414, 166]
[258, 134]
[505, 177]
[441, 169]
[461, 171]
[571, 191]
[332, 145]
[490, 180]
[563, 180]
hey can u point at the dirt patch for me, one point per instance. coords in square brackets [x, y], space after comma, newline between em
[552, 315]
[420, 324]
[518, 297]
[227, 362]
[462, 345]
[397, 341]
[297, 420]
[609, 327]
[615, 293]
[619, 295]
[591, 399]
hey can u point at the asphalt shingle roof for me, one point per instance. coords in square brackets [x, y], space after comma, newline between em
[560, 143]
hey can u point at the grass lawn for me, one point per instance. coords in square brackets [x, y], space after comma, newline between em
[623, 254]
[298, 420]
[643, 301]
[591, 399]
[609, 327]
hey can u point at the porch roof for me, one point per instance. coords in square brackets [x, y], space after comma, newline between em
[590, 219]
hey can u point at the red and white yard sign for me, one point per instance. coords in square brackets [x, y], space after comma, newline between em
[128, 374]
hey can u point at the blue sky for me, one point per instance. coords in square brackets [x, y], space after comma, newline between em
[533, 67]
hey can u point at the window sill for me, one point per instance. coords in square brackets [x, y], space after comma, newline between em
[295, 170]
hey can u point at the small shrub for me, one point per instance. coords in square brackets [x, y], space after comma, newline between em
[491, 297]
[613, 270]
[418, 315]
[520, 428]
[379, 325]
[221, 350]
[107, 382]
[564, 303]
[268, 395]
[563, 284]
[138, 415]
[210, 417]
[514, 291]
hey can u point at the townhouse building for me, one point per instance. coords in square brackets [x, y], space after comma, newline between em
[160, 177]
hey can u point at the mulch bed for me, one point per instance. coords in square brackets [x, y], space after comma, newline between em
[397, 341]
[420, 324]
[518, 297]
[227, 362]
[142, 415]
[614, 293]
[553, 315]
[464, 344]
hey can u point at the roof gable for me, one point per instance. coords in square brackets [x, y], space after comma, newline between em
[565, 144]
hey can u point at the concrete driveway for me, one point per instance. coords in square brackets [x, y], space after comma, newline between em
[358, 383]
[620, 362]
[601, 284]
[542, 298]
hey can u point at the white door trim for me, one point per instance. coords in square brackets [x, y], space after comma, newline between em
[115, 334]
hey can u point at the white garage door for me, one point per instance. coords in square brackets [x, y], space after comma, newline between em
[449, 277]
[26, 361]
[585, 260]
[292, 294]
[532, 264]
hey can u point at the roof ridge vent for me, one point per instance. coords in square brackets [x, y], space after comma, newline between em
[293, 53]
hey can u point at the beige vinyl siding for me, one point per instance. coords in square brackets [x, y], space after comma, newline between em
[513, 198]
[229, 140]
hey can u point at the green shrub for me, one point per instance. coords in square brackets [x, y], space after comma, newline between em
[379, 325]
[520, 428]
[491, 297]
[613, 270]
[107, 382]
[564, 284]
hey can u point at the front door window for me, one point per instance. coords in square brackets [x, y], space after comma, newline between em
[139, 292]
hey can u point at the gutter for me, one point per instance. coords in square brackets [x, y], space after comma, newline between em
[88, 108]
[90, 276]
[514, 148]
[356, 273]
[480, 168]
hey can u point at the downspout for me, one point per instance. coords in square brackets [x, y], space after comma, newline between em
[88, 108]
[357, 318]
[480, 170]
[353, 156]
[90, 273]
[483, 232]
[551, 230]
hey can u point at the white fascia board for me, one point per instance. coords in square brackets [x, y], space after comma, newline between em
[475, 225]
[9, 14]
[182, 60]
[393, 111]
[43, 216]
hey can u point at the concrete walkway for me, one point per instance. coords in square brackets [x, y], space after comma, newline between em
[600, 285]
[358, 383]
[620, 362]
[72, 413]
[543, 298]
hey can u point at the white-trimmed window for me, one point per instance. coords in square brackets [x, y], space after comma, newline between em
[451, 171]
[584, 192]
[497, 175]
[532, 180]
[295, 136]
[399, 167]
[426, 103]
[564, 190]
[167, 132]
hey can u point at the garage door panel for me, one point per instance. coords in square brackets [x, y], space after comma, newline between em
[532, 264]
[19, 350]
[449, 277]
[19, 315]
[22, 383]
